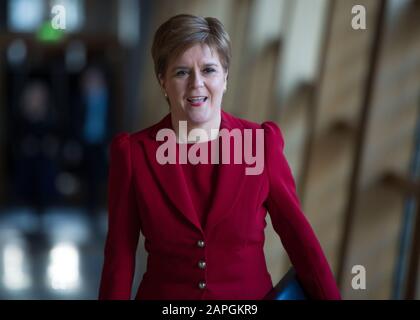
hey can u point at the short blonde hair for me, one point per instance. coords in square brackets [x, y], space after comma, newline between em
[183, 31]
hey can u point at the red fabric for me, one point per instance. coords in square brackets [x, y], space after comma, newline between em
[154, 199]
[200, 179]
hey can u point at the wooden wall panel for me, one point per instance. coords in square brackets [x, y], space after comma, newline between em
[388, 148]
[340, 98]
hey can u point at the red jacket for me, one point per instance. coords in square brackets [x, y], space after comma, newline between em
[152, 198]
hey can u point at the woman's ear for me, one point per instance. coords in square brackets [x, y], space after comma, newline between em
[162, 84]
[226, 77]
[161, 81]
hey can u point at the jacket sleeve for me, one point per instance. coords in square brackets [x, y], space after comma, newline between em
[289, 222]
[123, 224]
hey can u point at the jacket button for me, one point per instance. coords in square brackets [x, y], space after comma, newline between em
[201, 264]
[202, 285]
[200, 243]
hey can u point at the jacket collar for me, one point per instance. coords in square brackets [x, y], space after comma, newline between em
[229, 180]
[227, 121]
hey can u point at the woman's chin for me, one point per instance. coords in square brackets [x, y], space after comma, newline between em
[199, 116]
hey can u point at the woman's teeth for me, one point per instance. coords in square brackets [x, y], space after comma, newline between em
[196, 100]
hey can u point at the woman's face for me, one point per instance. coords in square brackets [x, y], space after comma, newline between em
[195, 82]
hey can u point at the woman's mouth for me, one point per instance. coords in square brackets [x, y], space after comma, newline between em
[197, 101]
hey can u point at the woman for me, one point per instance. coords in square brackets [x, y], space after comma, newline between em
[203, 223]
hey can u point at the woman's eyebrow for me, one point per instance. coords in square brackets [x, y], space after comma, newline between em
[179, 67]
[210, 64]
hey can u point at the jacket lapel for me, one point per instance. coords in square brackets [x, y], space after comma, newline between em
[170, 177]
[229, 183]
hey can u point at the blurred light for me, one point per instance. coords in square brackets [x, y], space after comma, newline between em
[66, 225]
[16, 220]
[67, 184]
[25, 15]
[128, 22]
[28, 15]
[16, 52]
[75, 56]
[395, 9]
[63, 269]
[15, 275]
[48, 34]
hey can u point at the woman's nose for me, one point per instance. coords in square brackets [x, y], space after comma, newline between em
[196, 80]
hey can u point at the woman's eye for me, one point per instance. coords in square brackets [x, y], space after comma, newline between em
[181, 73]
[209, 70]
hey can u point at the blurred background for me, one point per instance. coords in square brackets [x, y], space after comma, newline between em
[347, 101]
